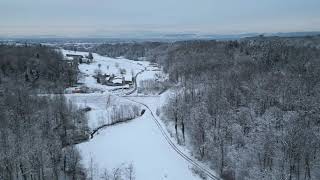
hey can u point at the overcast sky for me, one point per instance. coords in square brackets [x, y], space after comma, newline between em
[100, 17]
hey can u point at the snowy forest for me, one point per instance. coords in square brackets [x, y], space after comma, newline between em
[159, 90]
[250, 108]
[37, 132]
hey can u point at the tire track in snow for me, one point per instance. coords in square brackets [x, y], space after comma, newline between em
[168, 139]
[174, 147]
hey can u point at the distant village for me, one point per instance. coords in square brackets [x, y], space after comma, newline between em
[104, 78]
[79, 58]
[112, 80]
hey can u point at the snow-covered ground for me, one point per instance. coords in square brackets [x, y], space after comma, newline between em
[101, 104]
[140, 141]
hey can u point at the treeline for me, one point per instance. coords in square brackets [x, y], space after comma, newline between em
[37, 66]
[132, 51]
[152, 86]
[37, 132]
[250, 107]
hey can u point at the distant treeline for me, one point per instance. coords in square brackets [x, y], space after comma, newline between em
[135, 50]
[37, 132]
[132, 51]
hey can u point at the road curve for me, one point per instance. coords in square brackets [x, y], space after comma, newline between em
[135, 82]
[166, 136]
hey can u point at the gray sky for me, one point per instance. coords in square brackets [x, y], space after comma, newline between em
[103, 17]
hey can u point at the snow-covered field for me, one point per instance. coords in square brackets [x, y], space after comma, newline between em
[139, 141]
[101, 104]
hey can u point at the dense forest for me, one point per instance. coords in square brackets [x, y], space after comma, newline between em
[37, 132]
[249, 108]
[37, 67]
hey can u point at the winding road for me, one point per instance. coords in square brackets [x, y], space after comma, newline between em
[175, 148]
[166, 136]
[135, 82]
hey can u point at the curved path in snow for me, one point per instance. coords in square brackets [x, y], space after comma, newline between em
[173, 145]
[135, 82]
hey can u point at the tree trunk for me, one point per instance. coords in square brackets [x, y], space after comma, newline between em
[24, 176]
[176, 127]
[182, 128]
[307, 168]
[222, 156]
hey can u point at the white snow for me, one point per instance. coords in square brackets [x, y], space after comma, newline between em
[117, 81]
[138, 142]
[146, 75]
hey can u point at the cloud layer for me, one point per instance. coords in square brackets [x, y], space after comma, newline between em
[84, 17]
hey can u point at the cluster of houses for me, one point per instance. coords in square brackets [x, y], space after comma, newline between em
[105, 79]
[112, 80]
[79, 58]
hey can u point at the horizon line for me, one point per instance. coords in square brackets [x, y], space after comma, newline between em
[154, 34]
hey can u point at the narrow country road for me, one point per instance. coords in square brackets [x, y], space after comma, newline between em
[175, 148]
[168, 139]
[135, 82]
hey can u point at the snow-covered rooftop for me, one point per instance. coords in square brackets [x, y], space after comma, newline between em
[117, 81]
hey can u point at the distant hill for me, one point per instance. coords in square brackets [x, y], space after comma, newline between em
[149, 36]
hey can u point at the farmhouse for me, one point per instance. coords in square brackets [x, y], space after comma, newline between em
[86, 60]
[128, 80]
[70, 61]
[118, 81]
[79, 58]
[74, 56]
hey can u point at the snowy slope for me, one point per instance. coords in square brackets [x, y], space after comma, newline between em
[152, 103]
[141, 143]
[107, 66]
